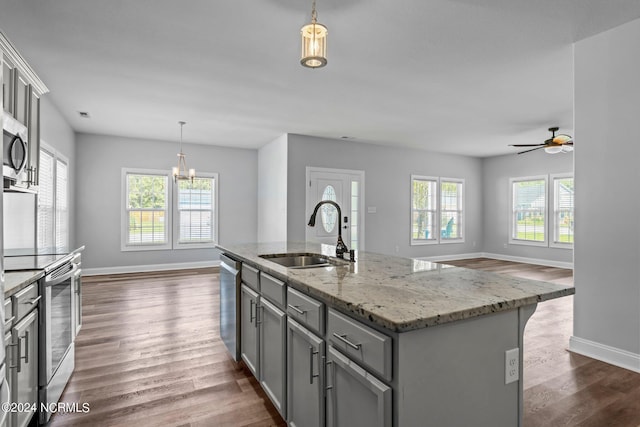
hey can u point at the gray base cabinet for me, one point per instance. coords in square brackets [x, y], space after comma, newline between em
[305, 379]
[272, 355]
[25, 374]
[249, 328]
[349, 387]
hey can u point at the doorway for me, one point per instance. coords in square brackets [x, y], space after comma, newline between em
[346, 188]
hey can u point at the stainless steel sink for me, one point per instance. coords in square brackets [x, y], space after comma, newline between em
[305, 260]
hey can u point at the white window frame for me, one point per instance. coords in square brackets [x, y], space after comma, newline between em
[55, 213]
[125, 218]
[553, 208]
[433, 240]
[461, 223]
[512, 213]
[214, 217]
[438, 239]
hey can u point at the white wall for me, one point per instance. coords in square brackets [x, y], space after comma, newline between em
[100, 162]
[272, 191]
[496, 201]
[607, 253]
[388, 188]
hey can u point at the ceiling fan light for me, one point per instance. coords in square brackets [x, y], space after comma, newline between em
[553, 150]
[561, 139]
[567, 148]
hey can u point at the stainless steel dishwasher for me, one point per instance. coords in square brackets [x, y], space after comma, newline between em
[230, 281]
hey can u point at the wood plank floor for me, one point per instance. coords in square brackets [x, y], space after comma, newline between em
[563, 388]
[149, 354]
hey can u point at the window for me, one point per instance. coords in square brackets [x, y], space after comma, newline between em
[451, 209]
[152, 220]
[53, 202]
[529, 207]
[563, 210]
[196, 210]
[436, 210]
[423, 209]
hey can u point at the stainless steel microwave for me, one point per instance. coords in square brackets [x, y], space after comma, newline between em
[15, 154]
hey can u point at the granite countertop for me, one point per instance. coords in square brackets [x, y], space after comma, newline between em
[400, 294]
[14, 281]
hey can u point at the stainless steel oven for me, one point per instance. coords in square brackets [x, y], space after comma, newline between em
[57, 324]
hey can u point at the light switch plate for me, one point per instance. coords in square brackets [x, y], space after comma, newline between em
[371, 209]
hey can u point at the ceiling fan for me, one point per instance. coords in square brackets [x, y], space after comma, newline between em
[556, 144]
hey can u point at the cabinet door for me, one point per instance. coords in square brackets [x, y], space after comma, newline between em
[25, 335]
[22, 96]
[7, 86]
[305, 379]
[34, 136]
[354, 397]
[273, 329]
[249, 328]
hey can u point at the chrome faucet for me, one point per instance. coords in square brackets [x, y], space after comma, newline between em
[341, 248]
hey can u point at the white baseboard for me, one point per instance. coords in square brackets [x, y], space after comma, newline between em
[537, 261]
[612, 355]
[441, 258]
[549, 263]
[146, 268]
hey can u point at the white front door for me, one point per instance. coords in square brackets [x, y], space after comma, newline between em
[346, 189]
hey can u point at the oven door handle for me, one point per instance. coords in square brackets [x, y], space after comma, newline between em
[49, 281]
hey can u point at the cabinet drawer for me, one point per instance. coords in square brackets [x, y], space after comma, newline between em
[251, 277]
[360, 342]
[8, 314]
[25, 301]
[273, 289]
[306, 310]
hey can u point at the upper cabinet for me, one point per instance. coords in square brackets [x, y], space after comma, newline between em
[21, 93]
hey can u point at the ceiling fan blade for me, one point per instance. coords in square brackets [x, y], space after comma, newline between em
[526, 145]
[533, 149]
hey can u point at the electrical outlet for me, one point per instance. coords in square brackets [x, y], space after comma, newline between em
[511, 365]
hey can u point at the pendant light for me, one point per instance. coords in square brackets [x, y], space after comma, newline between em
[314, 42]
[180, 171]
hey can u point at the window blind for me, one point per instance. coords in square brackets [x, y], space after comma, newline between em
[46, 210]
[196, 210]
[62, 206]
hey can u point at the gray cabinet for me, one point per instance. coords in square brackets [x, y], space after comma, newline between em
[305, 377]
[33, 126]
[355, 397]
[272, 326]
[21, 95]
[8, 70]
[25, 380]
[249, 328]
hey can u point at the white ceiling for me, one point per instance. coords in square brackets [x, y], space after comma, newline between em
[456, 76]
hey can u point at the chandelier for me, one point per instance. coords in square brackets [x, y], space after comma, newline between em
[181, 172]
[314, 42]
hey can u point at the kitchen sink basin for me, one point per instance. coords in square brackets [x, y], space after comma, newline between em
[306, 260]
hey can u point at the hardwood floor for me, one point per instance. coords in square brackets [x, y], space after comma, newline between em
[563, 388]
[149, 354]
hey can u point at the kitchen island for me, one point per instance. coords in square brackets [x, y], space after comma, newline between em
[455, 334]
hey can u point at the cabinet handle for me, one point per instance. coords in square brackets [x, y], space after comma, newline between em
[26, 347]
[258, 321]
[296, 309]
[344, 339]
[11, 366]
[34, 301]
[311, 376]
[19, 365]
[326, 372]
[251, 316]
